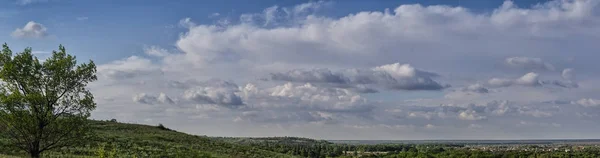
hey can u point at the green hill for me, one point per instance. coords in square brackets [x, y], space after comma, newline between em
[129, 140]
[113, 139]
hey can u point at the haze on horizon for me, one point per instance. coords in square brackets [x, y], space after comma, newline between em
[459, 69]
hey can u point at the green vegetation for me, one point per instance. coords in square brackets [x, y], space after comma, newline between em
[488, 154]
[44, 105]
[317, 148]
[114, 139]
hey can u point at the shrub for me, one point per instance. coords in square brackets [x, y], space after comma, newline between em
[162, 127]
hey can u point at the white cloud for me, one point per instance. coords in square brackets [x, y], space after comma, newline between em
[130, 67]
[565, 84]
[313, 76]
[163, 98]
[326, 99]
[144, 98]
[319, 67]
[568, 74]
[310, 6]
[31, 30]
[500, 82]
[221, 93]
[470, 115]
[398, 70]
[392, 76]
[156, 51]
[529, 79]
[276, 16]
[588, 102]
[529, 63]
[478, 88]
[408, 34]
[186, 22]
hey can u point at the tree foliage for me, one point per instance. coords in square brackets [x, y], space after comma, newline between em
[44, 105]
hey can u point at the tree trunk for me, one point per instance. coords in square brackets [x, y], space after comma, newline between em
[34, 154]
[34, 150]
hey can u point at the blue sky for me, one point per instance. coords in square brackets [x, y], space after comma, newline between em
[439, 69]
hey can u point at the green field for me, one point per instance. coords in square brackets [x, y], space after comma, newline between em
[113, 139]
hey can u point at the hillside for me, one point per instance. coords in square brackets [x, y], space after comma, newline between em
[113, 139]
[128, 140]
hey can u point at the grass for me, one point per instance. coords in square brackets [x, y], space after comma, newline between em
[114, 139]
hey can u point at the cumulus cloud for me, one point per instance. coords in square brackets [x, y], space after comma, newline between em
[313, 76]
[588, 102]
[163, 98]
[536, 113]
[187, 23]
[131, 67]
[392, 76]
[495, 110]
[376, 37]
[568, 74]
[221, 93]
[477, 88]
[144, 98]
[156, 51]
[31, 30]
[325, 99]
[529, 79]
[470, 115]
[529, 63]
[398, 70]
[564, 84]
[319, 68]
[276, 15]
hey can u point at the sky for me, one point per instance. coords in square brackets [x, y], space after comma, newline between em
[387, 70]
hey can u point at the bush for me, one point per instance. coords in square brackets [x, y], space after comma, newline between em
[162, 127]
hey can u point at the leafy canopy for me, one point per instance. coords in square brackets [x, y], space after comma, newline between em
[44, 105]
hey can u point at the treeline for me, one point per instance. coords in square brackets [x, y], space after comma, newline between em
[305, 147]
[587, 153]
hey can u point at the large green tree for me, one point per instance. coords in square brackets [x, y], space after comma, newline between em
[44, 104]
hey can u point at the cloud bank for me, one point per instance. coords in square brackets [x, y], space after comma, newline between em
[370, 74]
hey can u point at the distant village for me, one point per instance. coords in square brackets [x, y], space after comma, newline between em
[529, 147]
